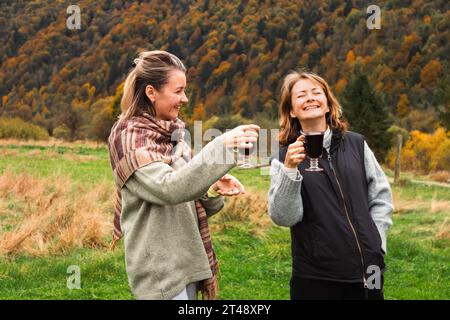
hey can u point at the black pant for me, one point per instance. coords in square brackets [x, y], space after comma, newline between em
[313, 289]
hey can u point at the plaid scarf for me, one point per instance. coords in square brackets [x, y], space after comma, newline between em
[140, 141]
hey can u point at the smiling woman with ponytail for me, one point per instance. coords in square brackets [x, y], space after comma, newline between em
[163, 196]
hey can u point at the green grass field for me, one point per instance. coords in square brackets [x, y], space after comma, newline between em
[254, 265]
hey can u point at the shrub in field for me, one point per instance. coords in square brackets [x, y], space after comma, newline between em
[102, 119]
[425, 152]
[62, 132]
[18, 129]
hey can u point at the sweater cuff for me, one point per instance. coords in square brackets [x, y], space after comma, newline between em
[212, 193]
[382, 231]
[292, 173]
[289, 186]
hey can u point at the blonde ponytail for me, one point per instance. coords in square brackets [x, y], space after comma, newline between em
[128, 93]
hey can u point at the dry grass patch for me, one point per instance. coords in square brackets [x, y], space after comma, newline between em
[440, 176]
[444, 230]
[433, 206]
[52, 142]
[51, 216]
[8, 152]
[249, 208]
[49, 153]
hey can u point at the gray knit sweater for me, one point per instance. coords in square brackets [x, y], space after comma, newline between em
[285, 201]
[163, 247]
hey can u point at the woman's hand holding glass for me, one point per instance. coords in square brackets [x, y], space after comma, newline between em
[241, 137]
[296, 153]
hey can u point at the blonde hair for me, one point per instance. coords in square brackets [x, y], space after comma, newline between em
[150, 68]
[290, 127]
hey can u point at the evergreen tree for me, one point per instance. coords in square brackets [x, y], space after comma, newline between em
[364, 110]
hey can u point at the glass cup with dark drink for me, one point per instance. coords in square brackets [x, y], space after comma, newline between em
[246, 152]
[313, 145]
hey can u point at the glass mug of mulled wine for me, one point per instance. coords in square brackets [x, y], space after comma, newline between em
[313, 146]
[247, 152]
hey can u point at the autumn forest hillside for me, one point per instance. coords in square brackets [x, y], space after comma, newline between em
[237, 53]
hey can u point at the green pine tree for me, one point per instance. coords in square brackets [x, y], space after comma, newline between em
[364, 110]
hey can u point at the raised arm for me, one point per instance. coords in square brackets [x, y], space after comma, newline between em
[160, 184]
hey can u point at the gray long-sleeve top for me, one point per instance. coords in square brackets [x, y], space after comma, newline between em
[286, 205]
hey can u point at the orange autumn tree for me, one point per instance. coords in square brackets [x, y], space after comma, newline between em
[430, 73]
[402, 106]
